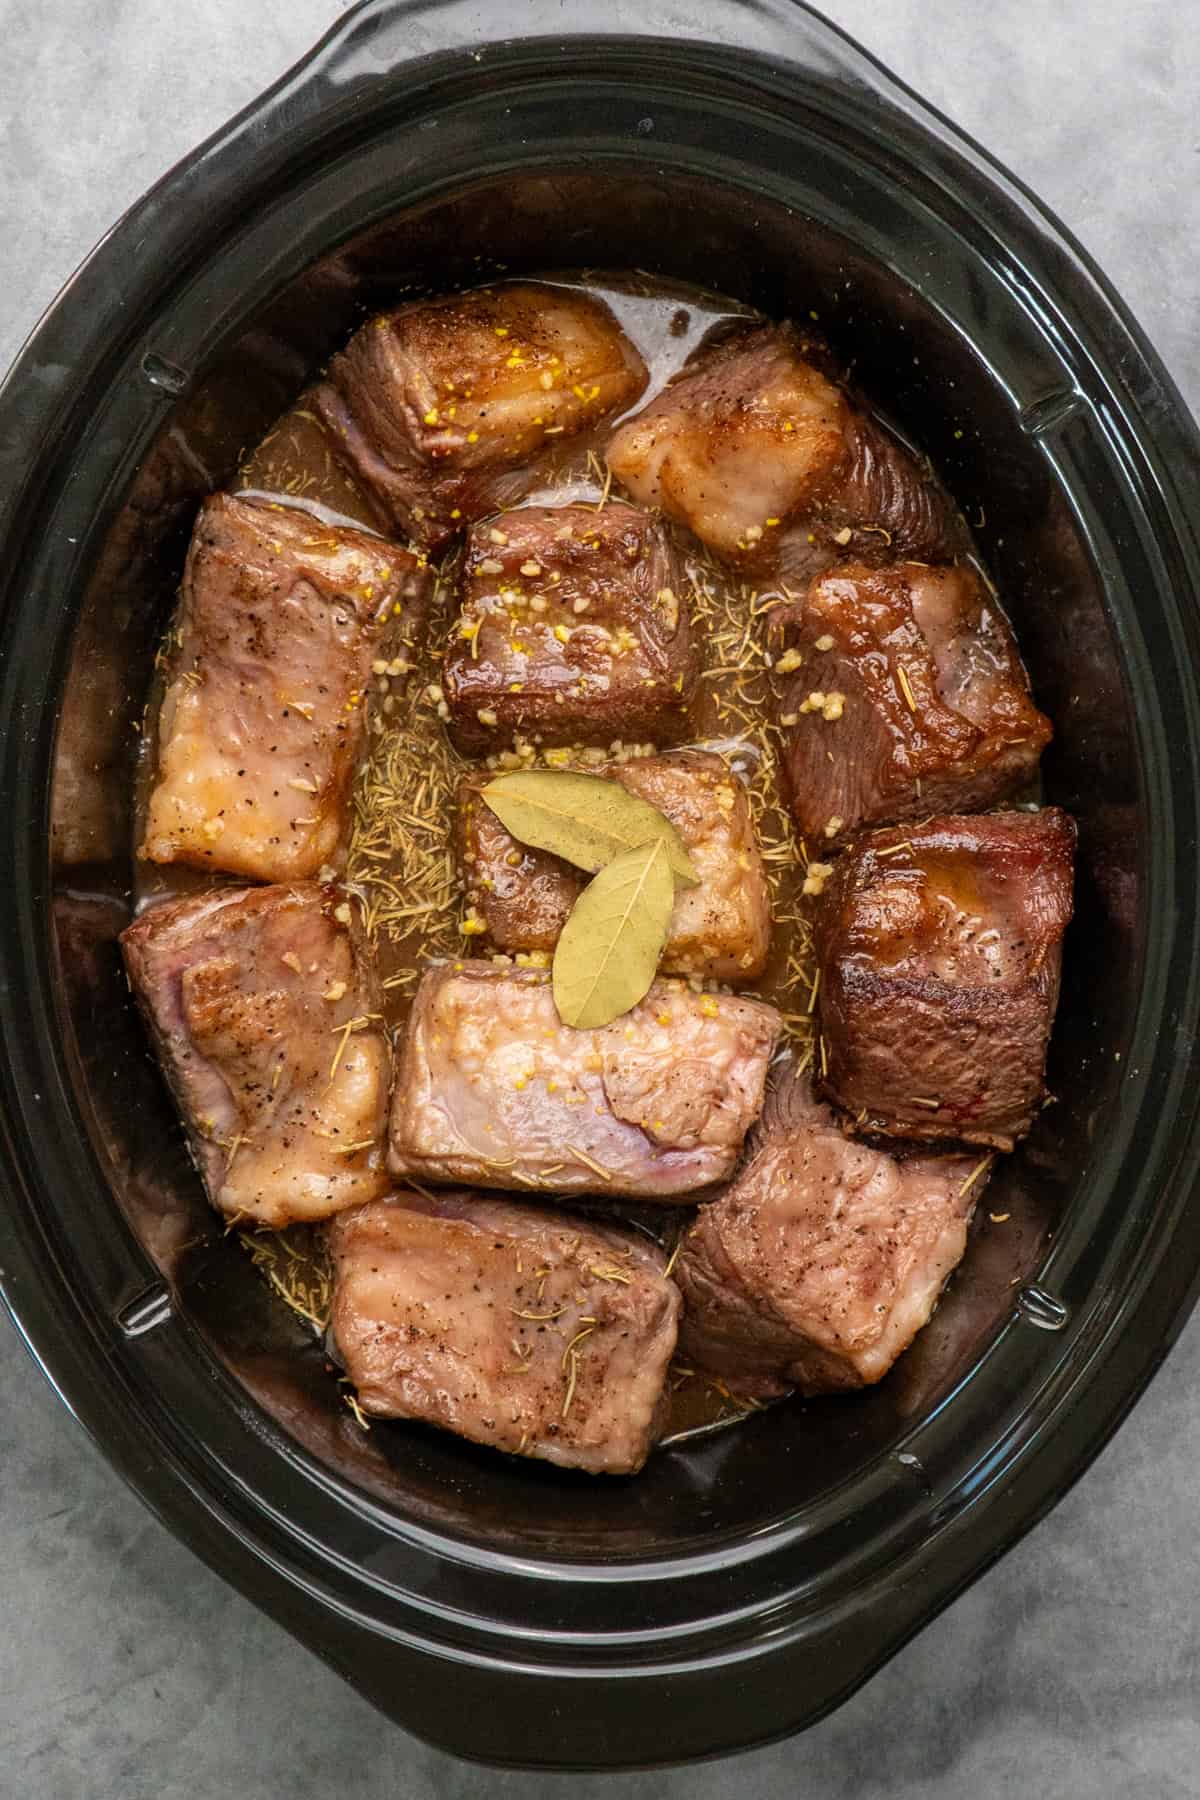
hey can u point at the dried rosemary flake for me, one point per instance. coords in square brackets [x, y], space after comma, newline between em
[984, 1163]
[589, 1162]
[570, 1365]
[296, 1267]
[606, 1272]
[352, 1402]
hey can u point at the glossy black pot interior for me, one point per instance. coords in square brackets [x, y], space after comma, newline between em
[747, 1581]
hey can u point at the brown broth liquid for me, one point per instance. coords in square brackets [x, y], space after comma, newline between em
[402, 863]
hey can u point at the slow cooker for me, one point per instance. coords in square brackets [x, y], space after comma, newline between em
[750, 1579]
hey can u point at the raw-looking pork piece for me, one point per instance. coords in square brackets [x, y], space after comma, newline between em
[519, 1327]
[720, 929]
[940, 946]
[493, 1089]
[447, 409]
[900, 692]
[262, 1007]
[824, 1257]
[263, 720]
[757, 452]
[574, 629]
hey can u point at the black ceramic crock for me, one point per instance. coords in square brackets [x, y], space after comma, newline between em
[746, 1582]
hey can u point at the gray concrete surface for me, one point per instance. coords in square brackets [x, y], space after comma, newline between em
[126, 1669]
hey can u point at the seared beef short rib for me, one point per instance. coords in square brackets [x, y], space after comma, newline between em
[772, 467]
[263, 1009]
[447, 409]
[263, 719]
[530, 1330]
[823, 1258]
[493, 1089]
[720, 929]
[574, 630]
[940, 946]
[899, 693]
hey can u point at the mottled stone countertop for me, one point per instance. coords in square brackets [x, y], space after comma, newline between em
[127, 1670]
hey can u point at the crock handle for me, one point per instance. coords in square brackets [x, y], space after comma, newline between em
[378, 37]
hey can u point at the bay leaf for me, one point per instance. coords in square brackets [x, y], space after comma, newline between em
[582, 818]
[608, 950]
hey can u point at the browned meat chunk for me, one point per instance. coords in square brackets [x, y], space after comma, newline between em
[722, 928]
[751, 445]
[901, 693]
[262, 721]
[445, 409]
[574, 629]
[940, 947]
[263, 1012]
[513, 1325]
[822, 1260]
[493, 1089]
